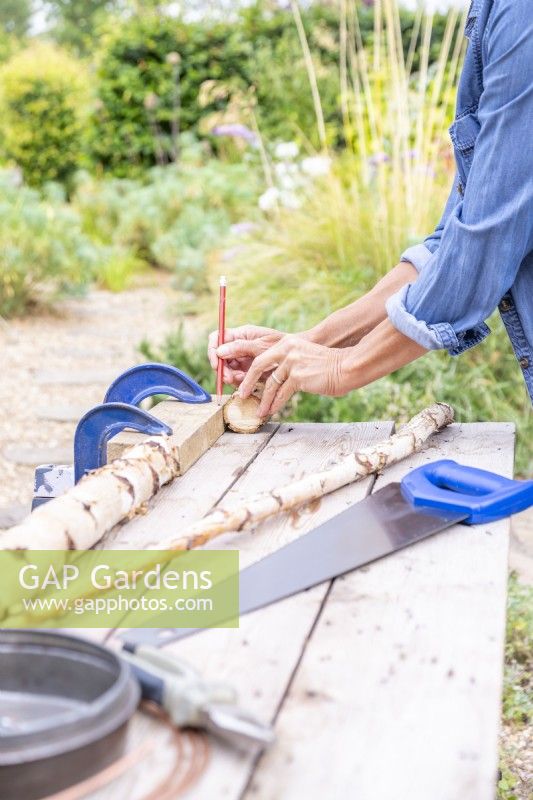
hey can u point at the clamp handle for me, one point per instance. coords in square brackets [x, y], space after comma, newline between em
[102, 422]
[146, 380]
[481, 495]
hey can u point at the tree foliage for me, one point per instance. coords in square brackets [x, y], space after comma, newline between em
[43, 94]
[75, 22]
[149, 78]
[15, 17]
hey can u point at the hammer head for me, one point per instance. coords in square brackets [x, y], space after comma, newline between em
[51, 480]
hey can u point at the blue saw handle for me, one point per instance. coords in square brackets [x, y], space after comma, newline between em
[482, 496]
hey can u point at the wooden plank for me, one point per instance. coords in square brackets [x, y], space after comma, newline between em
[195, 428]
[226, 460]
[188, 497]
[192, 495]
[398, 692]
[259, 658]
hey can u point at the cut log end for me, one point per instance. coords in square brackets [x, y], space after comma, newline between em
[241, 415]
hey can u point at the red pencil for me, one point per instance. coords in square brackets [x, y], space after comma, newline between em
[221, 336]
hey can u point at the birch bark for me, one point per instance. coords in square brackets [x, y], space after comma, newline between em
[353, 467]
[79, 518]
[83, 515]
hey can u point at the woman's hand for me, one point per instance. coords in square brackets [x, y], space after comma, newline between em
[242, 345]
[295, 365]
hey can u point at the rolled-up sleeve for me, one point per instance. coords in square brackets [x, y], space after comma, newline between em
[472, 261]
[419, 254]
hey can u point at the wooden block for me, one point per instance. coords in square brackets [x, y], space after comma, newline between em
[195, 428]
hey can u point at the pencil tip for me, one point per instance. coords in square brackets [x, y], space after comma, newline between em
[223, 280]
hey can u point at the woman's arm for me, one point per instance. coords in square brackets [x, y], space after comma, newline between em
[343, 328]
[382, 351]
[300, 365]
[346, 327]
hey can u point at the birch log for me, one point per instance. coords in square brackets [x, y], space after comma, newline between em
[241, 415]
[79, 519]
[351, 468]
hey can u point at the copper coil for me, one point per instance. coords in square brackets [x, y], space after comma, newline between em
[190, 759]
[188, 766]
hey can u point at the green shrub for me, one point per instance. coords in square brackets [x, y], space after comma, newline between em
[172, 218]
[116, 269]
[518, 678]
[277, 70]
[43, 251]
[151, 68]
[9, 45]
[284, 101]
[74, 24]
[15, 17]
[184, 247]
[43, 93]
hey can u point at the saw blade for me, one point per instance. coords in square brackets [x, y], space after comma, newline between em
[377, 526]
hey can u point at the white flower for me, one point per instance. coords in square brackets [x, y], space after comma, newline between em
[288, 176]
[289, 200]
[286, 150]
[269, 199]
[12, 176]
[316, 166]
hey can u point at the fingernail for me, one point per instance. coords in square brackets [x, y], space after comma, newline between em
[222, 351]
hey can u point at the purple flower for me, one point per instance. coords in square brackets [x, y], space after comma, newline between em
[231, 254]
[236, 131]
[378, 158]
[243, 228]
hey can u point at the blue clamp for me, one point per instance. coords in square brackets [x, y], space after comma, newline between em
[119, 411]
[103, 422]
[90, 447]
[146, 380]
[481, 495]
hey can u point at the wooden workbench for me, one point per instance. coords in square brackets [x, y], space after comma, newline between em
[384, 684]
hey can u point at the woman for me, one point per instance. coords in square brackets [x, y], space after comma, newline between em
[480, 255]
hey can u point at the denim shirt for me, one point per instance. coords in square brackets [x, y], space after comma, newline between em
[481, 254]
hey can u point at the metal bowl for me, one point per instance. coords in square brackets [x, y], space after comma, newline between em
[64, 707]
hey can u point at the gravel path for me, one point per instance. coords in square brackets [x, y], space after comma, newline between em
[58, 365]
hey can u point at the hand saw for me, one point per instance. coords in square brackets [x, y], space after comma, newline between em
[428, 500]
